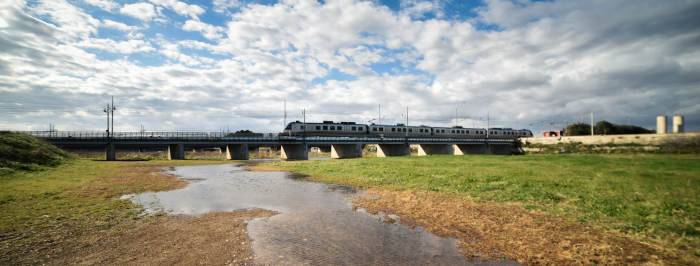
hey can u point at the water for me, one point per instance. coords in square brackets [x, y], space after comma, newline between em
[315, 225]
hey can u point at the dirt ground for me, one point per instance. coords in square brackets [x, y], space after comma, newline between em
[489, 230]
[96, 236]
[213, 239]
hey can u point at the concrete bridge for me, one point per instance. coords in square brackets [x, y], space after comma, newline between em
[291, 147]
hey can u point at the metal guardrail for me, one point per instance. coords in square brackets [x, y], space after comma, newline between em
[227, 136]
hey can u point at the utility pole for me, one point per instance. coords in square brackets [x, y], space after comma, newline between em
[406, 115]
[112, 109]
[303, 115]
[592, 133]
[488, 124]
[107, 111]
[456, 122]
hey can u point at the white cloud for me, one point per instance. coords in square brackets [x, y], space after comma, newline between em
[143, 11]
[122, 47]
[107, 23]
[108, 5]
[222, 5]
[209, 31]
[69, 19]
[418, 9]
[181, 8]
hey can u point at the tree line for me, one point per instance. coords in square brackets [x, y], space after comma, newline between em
[603, 128]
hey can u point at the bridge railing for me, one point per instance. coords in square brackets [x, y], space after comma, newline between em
[228, 136]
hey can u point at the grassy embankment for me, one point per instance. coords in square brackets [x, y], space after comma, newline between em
[48, 199]
[656, 197]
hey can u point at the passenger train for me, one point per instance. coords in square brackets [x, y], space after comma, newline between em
[352, 129]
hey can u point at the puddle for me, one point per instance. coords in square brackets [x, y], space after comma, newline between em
[315, 225]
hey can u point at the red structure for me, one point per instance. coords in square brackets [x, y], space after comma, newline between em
[553, 134]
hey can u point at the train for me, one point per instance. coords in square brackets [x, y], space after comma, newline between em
[352, 129]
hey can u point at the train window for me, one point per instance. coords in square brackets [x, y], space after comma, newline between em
[381, 129]
[467, 131]
[410, 130]
[374, 129]
[353, 128]
[404, 129]
[301, 127]
[340, 128]
[318, 127]
[325, 127]
[332, 127]
[393, 129]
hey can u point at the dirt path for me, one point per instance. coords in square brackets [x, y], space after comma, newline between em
[490, 230]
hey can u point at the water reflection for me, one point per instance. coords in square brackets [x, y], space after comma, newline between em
[315, 225]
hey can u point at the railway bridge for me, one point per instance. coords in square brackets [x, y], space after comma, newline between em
[291, 147]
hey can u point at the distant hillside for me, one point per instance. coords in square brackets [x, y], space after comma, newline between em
[24, 152]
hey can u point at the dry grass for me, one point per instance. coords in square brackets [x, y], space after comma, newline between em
[498, 230]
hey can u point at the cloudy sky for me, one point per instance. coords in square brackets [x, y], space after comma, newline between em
[212, 65]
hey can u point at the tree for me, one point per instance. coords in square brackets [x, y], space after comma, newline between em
[604, 128]
[577, 129]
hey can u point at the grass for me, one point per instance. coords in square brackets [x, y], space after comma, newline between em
[53, 206]
[20, 152]
[655, 197]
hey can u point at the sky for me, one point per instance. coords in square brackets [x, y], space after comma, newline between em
[231, 64]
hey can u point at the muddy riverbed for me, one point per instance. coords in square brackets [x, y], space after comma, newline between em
[315, 223]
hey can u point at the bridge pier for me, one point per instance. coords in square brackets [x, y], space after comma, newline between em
[176, 151]
[110, 152]
[237, 151]
[386, 150]
[462, 149]
[341, 151]
[433, 149]
[294, 152]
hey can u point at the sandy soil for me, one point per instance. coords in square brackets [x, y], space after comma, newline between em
[491, 230]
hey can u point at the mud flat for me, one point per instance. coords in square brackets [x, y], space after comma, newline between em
[313, 223]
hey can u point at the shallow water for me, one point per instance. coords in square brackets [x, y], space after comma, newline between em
[316, 223]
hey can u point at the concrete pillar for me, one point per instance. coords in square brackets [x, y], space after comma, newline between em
[110, 152]
[294, 152]
[176, 151]
[237, 152]
[462, 149]
[433, 149]
[385, 150]
[340, 151]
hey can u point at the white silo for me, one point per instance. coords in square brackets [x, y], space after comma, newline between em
[678, 124]
[661, 124]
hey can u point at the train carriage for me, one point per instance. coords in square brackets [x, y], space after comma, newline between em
[327, 128]
[399, 131]
[351, 129]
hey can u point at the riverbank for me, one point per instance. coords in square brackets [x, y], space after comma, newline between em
[539, 208]
[72, 214]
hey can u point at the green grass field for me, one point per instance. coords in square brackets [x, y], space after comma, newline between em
[652, 196]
